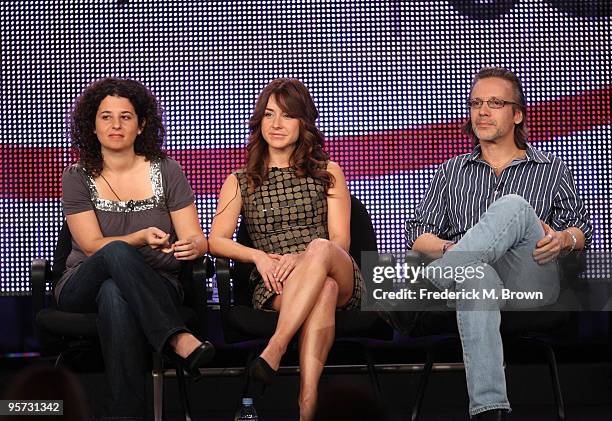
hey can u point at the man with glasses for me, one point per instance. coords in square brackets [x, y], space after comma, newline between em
[507, 211]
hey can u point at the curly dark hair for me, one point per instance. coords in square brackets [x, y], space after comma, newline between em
[86, 147]
[308, 158]
[520, 130]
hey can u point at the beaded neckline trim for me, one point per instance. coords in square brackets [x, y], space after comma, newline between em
[154, 201]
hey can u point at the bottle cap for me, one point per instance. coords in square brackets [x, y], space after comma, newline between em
[247, 401]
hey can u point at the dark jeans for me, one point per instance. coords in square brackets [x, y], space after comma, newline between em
[136, 308]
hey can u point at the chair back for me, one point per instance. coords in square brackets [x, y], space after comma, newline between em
[242, 291]
[63, 247]
[363, 238]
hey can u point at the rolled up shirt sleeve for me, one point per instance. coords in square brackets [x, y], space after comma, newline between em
[568, 210]
[430, 216]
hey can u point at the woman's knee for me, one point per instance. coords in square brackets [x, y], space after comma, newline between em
[118, 250]
[320, 249]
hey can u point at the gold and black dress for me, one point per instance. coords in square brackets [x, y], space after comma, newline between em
[283, 216]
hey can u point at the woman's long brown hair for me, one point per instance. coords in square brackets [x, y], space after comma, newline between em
[308, 157]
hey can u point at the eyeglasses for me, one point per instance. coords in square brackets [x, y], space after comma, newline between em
[492, 103]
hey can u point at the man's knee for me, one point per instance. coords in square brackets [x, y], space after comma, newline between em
[512, 203]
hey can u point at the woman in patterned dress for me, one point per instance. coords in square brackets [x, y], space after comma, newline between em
[296, 205]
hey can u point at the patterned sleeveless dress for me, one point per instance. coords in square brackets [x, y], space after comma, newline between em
[283, 216]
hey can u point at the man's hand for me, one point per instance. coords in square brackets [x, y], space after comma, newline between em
[549, 247]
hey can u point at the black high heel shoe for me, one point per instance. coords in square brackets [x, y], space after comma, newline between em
[203, 354]
[260, 373]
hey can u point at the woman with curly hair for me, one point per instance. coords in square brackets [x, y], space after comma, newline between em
[296, 206]
[132, 217]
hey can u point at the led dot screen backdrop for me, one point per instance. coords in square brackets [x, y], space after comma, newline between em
[390, 80]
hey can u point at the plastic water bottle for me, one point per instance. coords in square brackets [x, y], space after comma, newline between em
[246, 411]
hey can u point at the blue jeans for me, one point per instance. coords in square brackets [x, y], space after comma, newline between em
[501, 244]
[136, 308]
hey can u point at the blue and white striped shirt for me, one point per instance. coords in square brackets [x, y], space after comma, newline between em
[465, 186]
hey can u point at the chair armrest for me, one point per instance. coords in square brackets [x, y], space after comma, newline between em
[202, 269]
[222, 269]
[193, 279]
[40, 274]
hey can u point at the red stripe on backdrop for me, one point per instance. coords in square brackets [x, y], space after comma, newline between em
[35, 173]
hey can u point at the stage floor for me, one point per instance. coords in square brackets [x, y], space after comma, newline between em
[587, 392]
